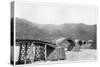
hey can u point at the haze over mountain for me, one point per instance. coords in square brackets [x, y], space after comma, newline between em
[28, 30]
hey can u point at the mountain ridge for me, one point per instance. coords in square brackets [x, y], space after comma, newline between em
[28, 30]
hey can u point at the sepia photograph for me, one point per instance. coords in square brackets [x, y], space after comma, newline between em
[43, 32]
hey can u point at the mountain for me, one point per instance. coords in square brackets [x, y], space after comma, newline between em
[28, 30]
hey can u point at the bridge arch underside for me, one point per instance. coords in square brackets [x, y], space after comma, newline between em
[31, 51]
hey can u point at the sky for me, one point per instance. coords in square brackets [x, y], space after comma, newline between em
[55, 13]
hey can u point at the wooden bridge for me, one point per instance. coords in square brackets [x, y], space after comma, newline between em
[33, 50]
